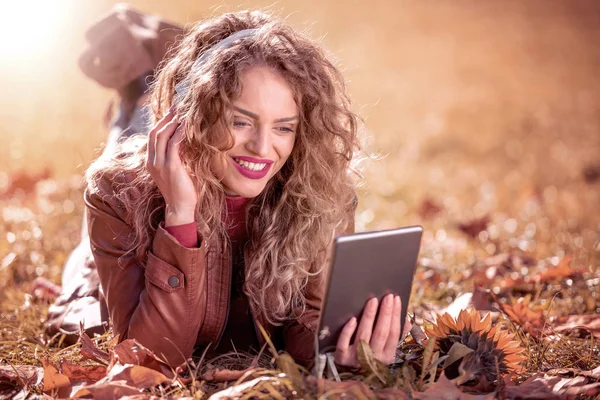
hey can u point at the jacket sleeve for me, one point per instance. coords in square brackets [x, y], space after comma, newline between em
[299, 334]
[160, 304]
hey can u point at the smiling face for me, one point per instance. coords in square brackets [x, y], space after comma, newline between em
[264, 124]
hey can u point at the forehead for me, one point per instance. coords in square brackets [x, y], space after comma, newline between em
[267, 93]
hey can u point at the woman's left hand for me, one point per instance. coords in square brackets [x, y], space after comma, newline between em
[383, 338]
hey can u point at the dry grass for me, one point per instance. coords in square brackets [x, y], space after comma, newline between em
[484, 110]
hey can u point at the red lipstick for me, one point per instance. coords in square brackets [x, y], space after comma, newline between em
[248, 173]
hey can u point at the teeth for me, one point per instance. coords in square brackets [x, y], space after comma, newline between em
[251, 166]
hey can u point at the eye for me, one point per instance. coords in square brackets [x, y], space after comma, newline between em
[285, 129]
[239, 124]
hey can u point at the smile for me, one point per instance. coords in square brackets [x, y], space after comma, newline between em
[252, 168]
[250, 165]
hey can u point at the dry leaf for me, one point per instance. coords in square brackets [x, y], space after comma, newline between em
[21, 375]
[457, 352]
[87, 373]
[520, 313]
[288, 366]
[591, 173]
[558, 387]
[586, 324]
[135, 375]
[561, 271]
[445, 389]
[473, 227]
[370, 363]
[89, 350]
[131, 351]
[429, 208]
[55, 380]
[106, 391]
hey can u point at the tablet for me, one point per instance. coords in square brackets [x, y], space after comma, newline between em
[366, 265]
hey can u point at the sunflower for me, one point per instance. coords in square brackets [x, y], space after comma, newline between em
[494, 349]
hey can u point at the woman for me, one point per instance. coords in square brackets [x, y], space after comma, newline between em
[221, 218]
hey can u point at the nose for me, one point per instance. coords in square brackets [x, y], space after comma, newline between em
[260, 143]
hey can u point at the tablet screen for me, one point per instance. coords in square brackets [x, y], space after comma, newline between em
[366, 265]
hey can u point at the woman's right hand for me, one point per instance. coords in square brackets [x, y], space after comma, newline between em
[166, 168]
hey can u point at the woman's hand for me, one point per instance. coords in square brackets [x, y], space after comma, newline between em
[167, 170]
[383, 339]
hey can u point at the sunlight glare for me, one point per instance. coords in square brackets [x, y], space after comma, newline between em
[30, 29]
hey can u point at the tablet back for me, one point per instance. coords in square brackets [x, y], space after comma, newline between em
[366, 265]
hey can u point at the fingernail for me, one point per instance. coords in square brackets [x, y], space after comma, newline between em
[397, 299]
[172, 109]
[353, 321]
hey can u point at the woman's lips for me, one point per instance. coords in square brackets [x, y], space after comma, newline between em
[248, 173]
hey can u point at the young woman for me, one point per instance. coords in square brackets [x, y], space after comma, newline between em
[221, 218]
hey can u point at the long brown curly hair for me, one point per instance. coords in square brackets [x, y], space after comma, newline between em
[293, 221]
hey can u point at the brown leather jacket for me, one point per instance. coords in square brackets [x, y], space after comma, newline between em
[180, 299]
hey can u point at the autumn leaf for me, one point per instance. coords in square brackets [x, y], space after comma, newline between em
[54, 380]
[473, 227]
[21, 375]
[370, 363]
[89, 350]
[135, 375]
[130, 351]
[445, 389]
[106, 390]
[586, 325]
[520, 313]
[87, 373]
[429, 208]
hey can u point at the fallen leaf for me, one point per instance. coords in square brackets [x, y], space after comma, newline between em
[89, 350]
[429, 208]
[135, 375]
[21, 375]
[561, 271]
[531, 389]
[559, 387]
[445, 389]
[473, 227]
[457, 352]
[370, 363]
[520, 313]
[106, 391]
[586, 324]
[88, 373]
[131, 351]
[591, 173]
[288, 366]
[54, 380]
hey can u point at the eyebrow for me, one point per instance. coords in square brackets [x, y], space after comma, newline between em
[255, 116]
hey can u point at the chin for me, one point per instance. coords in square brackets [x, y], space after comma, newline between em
[249, 191]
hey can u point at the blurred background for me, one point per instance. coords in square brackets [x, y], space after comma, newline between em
[484, 110]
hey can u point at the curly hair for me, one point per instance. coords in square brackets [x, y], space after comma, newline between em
[293, 221]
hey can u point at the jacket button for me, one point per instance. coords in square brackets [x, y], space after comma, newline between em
[173, 281]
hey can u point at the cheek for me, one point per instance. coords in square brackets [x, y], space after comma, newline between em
[285, 147]
[219, 165]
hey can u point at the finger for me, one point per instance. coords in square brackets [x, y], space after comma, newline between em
[174, 144]
[382, 327]
[365, 327]
[151, 153]
[343, 343]
[393, 339]
[162, 138]
[163, 121]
